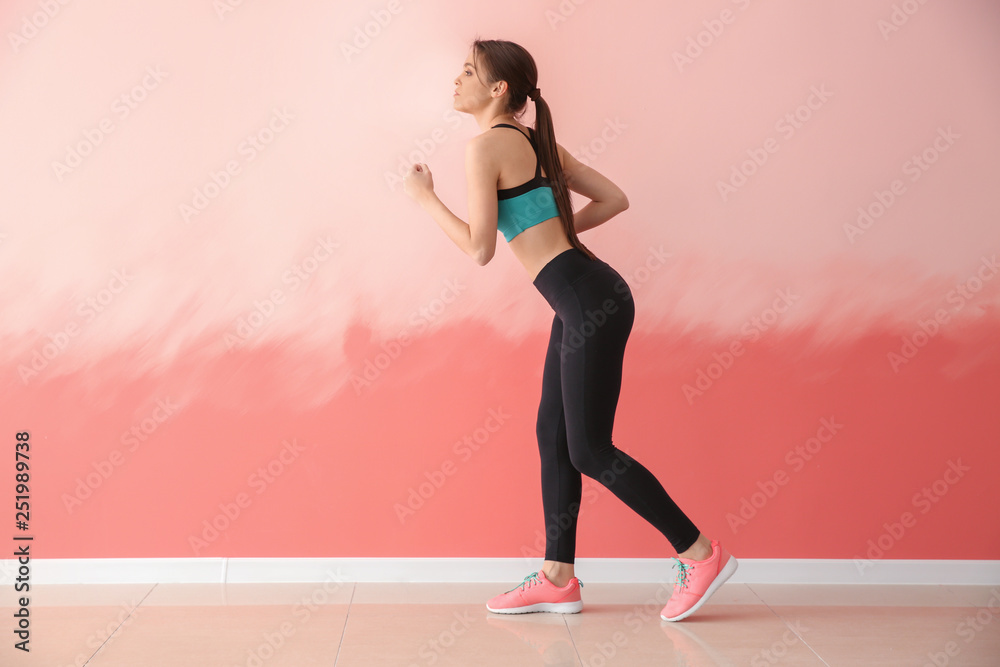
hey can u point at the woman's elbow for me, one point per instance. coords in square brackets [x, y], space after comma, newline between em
[484, 255]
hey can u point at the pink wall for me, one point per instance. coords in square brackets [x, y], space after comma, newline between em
[189, 346]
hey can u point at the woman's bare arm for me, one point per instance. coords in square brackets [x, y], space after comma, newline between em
[607, 199]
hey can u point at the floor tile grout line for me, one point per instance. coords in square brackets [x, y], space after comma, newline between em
[347, 617]
[572, 640]
[756, 594]
[124, 621]
[785, 623]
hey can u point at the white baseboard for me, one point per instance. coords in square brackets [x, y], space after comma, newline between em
[597, 570]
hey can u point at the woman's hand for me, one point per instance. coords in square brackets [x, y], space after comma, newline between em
[418, 181]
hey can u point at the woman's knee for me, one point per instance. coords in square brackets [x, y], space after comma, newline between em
[604, 464]
[588, 461]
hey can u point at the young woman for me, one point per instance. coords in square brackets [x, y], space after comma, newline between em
[593, 318]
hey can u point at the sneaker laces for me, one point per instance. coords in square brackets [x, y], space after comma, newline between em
[529, 581]
[682, 574]
[533, 579]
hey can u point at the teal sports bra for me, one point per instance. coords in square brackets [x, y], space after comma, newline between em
[528, 204]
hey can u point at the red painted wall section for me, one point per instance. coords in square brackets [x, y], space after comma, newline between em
[788, 454]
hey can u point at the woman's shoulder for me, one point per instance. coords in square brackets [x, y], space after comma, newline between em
[493, 140]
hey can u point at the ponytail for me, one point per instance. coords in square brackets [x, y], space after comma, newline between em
[548, 155]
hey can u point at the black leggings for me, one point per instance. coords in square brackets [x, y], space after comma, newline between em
[580, 386]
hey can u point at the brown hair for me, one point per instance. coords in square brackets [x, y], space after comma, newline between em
[506, 61]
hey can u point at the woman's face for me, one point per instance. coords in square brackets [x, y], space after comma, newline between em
[470, 92]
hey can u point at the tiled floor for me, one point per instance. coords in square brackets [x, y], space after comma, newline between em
[416, 625]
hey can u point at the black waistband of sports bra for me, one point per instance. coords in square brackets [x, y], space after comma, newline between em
[563, 270]
[532, 185]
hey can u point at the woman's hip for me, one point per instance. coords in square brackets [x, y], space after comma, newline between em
[571, 282]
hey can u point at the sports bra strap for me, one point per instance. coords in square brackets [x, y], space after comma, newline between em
[538, 162]
[513, 127]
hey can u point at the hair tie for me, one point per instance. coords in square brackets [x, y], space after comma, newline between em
[535, 94]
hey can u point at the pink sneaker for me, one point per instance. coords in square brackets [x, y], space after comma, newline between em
[537, 593]
[696, 581]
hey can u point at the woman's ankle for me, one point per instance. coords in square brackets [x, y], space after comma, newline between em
[558, 573]
[700, 550]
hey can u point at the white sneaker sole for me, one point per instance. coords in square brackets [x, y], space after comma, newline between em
[727, 572]
[555, 607]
